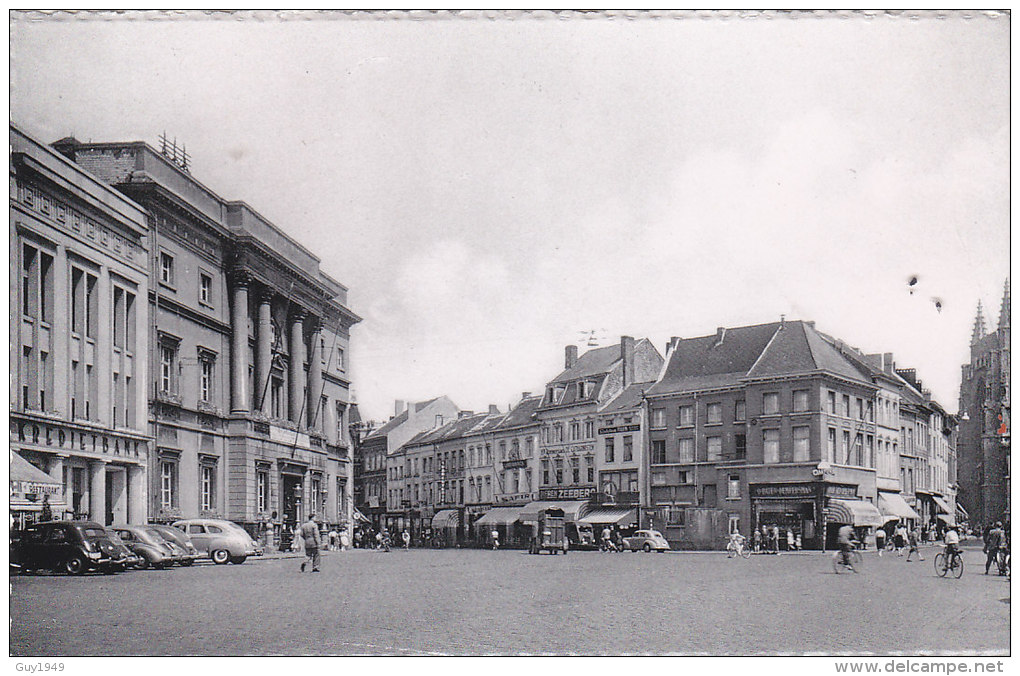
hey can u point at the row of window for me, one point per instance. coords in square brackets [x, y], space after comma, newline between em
[684, 477]
[169, 493]
[575, 430]
[583, 389]
[553, 471]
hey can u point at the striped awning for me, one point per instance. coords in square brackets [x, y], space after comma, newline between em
[621, 517]
[853, 512]
[893, 505]
[500, 516]
[943, 505]
[445, 518]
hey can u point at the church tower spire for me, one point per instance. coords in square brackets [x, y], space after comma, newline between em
[1004, 310]
[979, 326]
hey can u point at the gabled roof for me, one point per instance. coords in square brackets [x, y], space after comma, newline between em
[629, 398]
[521, 414]
[452, 429]
[595, 362]
[398, 420]
[759, 351]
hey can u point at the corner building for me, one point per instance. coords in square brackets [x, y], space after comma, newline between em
[247, 344]
[78, 339]
[766, 425]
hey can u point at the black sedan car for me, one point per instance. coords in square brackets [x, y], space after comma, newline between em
[74, 547]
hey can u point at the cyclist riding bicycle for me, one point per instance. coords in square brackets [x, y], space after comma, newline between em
[952, 539]
[846, 535]
[735, 545]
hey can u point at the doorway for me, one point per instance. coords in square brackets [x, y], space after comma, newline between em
[293, 498]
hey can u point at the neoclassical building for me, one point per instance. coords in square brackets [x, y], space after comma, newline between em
[248, 346]
[78, 340]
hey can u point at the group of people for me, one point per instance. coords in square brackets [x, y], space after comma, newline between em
[611, 540]
[770, 539]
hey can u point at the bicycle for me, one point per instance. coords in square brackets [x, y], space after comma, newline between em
[740, 549]
[852, 562]
[951, 564]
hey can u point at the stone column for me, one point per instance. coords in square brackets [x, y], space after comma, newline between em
[239, 347]
[297, 368]
[263, 351]
[315, 416]
[97, 491]
[136, 494]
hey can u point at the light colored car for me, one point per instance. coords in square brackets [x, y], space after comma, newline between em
[181, 539]
[220, 540]
[148, 544]
[646, 540]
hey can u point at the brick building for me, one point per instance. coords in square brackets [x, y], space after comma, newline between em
[984, 433]
[247, 343]
[78, 339]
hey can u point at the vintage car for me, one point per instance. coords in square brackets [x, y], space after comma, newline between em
[220, 540]
[181, 539]
[131, 560]
[646, 540]
[148, 544]
[74, 547]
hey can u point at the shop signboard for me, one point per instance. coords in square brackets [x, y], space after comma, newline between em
[840, 491]
[620, 428]
[515, 464]
[570, 493]
[34, 488]
[783, 491]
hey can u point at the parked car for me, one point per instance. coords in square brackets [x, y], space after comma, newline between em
[148, 544]
[180, 538]
[131, 560]
[646, 540]
[220, 540]
[75, 547]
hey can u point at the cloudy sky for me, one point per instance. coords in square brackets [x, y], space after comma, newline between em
[489, 189]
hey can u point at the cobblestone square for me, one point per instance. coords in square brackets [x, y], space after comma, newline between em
[463, 602]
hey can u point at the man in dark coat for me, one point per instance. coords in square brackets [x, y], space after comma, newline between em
[993, 542]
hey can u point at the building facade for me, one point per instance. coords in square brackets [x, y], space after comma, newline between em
[247, 341]
[569, 413]
[376, 447]
[78, 339]
[767, 425]
[984, 421]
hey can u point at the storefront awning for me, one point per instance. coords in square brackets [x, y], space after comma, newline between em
[445, 518]
[26, 478]
[962, 513]
[571, 510]
[947, 519]
[893, 504]
[942, 504]
[853, 512]
[624, 518]
[500, 516]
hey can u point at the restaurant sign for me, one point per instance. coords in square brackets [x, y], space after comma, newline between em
[34, 488]
[575, 493]
[619, 428]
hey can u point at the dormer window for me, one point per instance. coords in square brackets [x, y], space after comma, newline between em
[583, 389]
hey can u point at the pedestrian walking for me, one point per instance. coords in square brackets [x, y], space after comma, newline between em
[333, 539]
[791, 544]
[756, 540]
[295, 540]
[494, 534]
[900, 536]
[912, 538]
[993, 542]
[345, 540]
[800, 543]
[406, 537]
[775, 539]
[309, 533]
[880, 540]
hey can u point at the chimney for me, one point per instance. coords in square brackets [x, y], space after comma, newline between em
[570, 357]
[627, 355]
[464, 414]
[493, 409]
[720, 335]
[525, 395]
[782, 321]
[398, 407]
[810, 323]
[888, 365]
